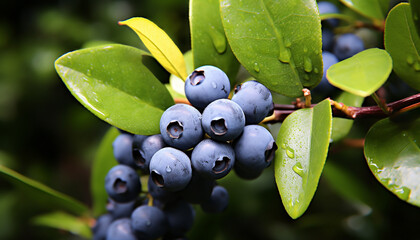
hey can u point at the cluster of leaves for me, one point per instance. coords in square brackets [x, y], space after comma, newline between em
[118, 84]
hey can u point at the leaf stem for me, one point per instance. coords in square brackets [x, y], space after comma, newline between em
[381, 103]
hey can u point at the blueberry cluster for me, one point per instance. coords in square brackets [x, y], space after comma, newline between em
[338, 47]
[198, 145]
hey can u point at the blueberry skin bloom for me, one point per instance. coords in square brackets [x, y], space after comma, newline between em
[347, 45]
[180, 216]
[180, 126]
[148, 222]
[217, 202]
[170, 169]
[122, 183]
[206, 84]
[101, 226]
[255, 100]
[120, 210]
[122, 149]
[213, 159]
[254, 151]
[223, 120]
[148, 148]
[120, 230]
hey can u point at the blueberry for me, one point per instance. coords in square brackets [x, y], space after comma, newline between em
[149, 146]
[328, 7]
[347, 45]
[120, 230]
[120, 210]
[180, 126]
[212, 159]
[122, 183]
[101, 226]
[223, 120]
[206, 84]
[254, 151]
[160, 194]
[218, 200]
[148, 222]
[180, 216]
[122, 149]
[328, 59]
[170, 168]
[198, 190]
[327, 39]
[255, 100]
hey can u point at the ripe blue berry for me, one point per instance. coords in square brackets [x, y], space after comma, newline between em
[122, 149]
[218, 200]
[122, 183]
[180, 216]
[212, 159]
[328, 7]
[206, 84]
[170, 168]
[160, 194]
[255, 100]
[347, 45]
[254, 151]
[148, 222]
[149, 147]
[180, 126]
[120, 230]
[223, 120]
[101, 226]
[120, 210]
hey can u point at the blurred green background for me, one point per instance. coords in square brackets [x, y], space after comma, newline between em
[48, 136]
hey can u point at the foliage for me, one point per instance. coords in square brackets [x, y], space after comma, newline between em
[120, 85]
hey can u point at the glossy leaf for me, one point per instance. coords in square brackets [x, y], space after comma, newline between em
[415, 12]
[159, 44]
[363, 73]
[37, 190]
[265, 37]
[341, 126]
[403, 44]
[64, 221]
[369, 8]
[393, 154]
[208, 40]
[103, 162]
[112, 83]
[303, 142]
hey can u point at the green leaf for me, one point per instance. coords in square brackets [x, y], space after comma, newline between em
[347, 184]
[363, 73]
[303, 138]
[112, 83]
[415, 12]
[178, 84]
[103, 162]
[37, 190]
[393, 155]
[369, 8]
[403, 44]
[208, 40]
[278, 42]
[159, 44]
[341, 126]
[64, 221]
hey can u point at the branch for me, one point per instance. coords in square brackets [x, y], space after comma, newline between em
[281, 111]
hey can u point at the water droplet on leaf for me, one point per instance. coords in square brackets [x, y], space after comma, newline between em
[219, 40]
[256, 67]
[298, 169]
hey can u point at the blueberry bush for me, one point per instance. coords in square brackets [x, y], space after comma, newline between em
[310, 107]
